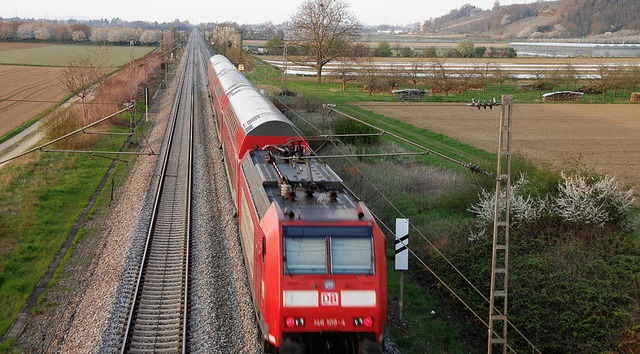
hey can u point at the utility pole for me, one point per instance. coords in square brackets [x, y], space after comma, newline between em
[284, 70]
[131, 60]
[500, 255]
[133, 86]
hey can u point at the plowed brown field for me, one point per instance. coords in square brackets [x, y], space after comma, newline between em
[25, 92]
[604, 137]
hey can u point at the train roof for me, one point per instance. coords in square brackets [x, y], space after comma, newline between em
[255, 113]
[315, 192]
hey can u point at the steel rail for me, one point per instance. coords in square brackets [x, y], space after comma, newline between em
[158, 317]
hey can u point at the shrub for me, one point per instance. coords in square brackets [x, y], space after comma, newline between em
[348, 126]
[588, 200]
[61, 122]
[580, 200]
[524, 208]
[309, 104]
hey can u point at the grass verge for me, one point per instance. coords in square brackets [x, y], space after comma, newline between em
[40, 200]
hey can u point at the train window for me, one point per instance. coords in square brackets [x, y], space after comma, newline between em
[352, 255]
[305, 255]
[350, 248]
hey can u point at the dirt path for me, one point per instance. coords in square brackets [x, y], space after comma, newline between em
[604, 137]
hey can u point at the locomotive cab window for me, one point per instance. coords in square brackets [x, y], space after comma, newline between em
[324, 250]
[351, 255]
[305, 255]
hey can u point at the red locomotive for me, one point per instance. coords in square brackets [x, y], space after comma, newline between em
[314, 254]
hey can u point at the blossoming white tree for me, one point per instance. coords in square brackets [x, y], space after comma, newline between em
[581, 200]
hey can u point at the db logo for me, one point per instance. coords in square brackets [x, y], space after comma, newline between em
[329, 299]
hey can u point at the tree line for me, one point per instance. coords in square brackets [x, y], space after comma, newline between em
[75, 32]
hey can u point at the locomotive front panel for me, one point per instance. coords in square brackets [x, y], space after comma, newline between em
[330, 281]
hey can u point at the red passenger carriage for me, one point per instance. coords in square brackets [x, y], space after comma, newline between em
[314, 254]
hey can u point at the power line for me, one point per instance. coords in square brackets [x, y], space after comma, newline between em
[47, 101]
[470, 166]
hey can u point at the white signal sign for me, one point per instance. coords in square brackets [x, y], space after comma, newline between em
[402, 244]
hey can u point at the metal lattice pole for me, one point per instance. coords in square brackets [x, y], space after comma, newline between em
[500, 256]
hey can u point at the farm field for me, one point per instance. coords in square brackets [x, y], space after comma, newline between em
[603, 137]
[26, 92]
[30, 76]
[59, 54]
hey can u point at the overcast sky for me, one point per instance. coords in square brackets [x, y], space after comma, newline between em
[369, 12]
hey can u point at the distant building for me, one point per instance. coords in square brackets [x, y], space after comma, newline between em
[411, 94]
[594, 50]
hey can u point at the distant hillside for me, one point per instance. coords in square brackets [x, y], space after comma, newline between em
[585, 17]
[550, 19]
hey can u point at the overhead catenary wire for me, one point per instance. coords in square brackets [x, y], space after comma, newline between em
[412, 226]
[41, 147]
[51, 101]
[469, 166]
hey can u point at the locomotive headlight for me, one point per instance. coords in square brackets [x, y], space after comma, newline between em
[367, 321]
[290, 321]
[329, 284]
[360, 321]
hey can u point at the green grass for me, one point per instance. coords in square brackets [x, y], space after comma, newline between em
[420, 330]
[60, 54]
[39, 202]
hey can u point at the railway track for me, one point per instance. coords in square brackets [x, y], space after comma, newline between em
[159, 307]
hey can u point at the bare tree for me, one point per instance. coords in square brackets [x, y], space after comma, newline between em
[539, 79]
[393, 76]
[370, 76]
[570, 76]
[415, 72]
[555, 77]
[481, 77]
[82, 73]
[347, 70]
[500, 77]
[324, 29]
[441, 78]
[622, 78]
[605, 80]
